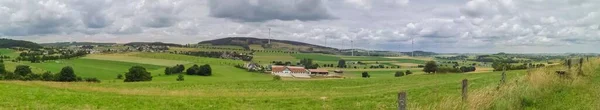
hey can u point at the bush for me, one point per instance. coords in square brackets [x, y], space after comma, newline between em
[430, 67]
[67, 75]
[448, 70]
[94, 80]
[22, 70]
[276, 78]
[399, 74]
[408, 72]
[78, 79]
[11, 76]
[120, 76]
[137, 73]
[48, 76]
[467, 69]
[365, 75]
[180, 77]
[31, 77]
[204, 70]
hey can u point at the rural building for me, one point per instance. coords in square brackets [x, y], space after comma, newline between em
[318, 72]
[290, 71]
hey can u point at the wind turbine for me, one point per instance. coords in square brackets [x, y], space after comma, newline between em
[412, 46]
[269, 36]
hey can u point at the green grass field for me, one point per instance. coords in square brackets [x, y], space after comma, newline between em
[102, 69]
[233, 88]
[355, 93]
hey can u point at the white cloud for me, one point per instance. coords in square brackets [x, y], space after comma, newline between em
[436, 25]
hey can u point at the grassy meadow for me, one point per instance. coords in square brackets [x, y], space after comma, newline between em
[234, 88]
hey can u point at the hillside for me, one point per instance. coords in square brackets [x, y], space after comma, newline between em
[63, 44]
[275, 44]
[152, 44]
[9, 43]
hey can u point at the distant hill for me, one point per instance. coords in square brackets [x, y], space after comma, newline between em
[420, 53]
[153, 44]
[275, 44]
[9, 43]
[64, 44]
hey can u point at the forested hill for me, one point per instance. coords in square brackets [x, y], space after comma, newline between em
[9, 43]
[275, 44]
[152, 44]
[64, 44]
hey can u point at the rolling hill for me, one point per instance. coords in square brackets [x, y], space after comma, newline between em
[9, 43]
[275, 44]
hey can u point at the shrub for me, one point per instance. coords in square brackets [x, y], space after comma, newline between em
[408, 72]
[11, 76]
[168, 71]
[276, 78]
[180, 77]
[2, 68]
[399, 74]
[48, 76]
[94, 80]
[365, 75]
[67, 75]
[430, 67]
[448, 70]
[136, 74]
[22, 70]
[120, 76]
[78, 79]
[31, 77]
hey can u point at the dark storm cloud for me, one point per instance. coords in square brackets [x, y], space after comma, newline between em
[263, 10]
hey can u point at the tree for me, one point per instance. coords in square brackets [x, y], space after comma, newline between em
[168, 71]
[180, 77]
[430, 67]
[67, 75]
[136, 74]
[22, 70]
[399, 74]
[2, 68]
[341, 63]
[205, 70]
[193, 70]
[408, 72]
[365, 75]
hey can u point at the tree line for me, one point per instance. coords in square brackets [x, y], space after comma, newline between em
[432, 67]
[23, 72]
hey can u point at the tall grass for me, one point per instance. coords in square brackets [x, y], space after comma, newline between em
[541, 88]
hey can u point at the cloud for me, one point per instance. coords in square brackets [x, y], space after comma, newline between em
[263, 10]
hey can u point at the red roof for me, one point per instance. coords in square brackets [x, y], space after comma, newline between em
[277, 68]
[297, 69]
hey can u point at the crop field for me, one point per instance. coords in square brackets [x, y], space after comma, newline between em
[256, 47]
[318, 57]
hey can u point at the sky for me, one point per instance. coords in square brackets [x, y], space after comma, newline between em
[461, 26]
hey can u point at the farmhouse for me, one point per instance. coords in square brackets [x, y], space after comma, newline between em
[290, 71]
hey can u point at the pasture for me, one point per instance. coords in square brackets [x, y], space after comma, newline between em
[355, 93]
[234, 88]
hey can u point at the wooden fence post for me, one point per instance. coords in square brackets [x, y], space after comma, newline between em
[465, 85]
[402, 101]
